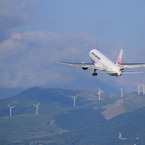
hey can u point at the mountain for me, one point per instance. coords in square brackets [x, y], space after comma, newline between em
[131, 125]
[58, 122]
[50, 99]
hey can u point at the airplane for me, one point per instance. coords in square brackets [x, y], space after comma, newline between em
[101, 62]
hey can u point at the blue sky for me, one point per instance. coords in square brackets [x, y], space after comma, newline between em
[35, 33]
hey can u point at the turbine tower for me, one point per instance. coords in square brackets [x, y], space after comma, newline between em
[37, 108]
[143, 89]
[74, 97]
[11, 109]
[138, 88]
[99, 93]
[121, 92]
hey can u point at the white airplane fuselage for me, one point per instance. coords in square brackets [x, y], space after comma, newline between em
[104, 63]
[101, 62]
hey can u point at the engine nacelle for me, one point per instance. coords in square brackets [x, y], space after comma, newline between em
[84, 68]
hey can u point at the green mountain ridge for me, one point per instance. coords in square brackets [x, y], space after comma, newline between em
[58, 122]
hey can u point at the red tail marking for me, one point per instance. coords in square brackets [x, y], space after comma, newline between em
[119, 62]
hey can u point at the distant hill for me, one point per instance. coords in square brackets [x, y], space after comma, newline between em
[50, 99]
[58, 122]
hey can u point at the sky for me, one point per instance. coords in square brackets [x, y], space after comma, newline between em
[34, 34]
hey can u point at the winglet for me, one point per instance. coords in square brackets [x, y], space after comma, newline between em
[119, 60]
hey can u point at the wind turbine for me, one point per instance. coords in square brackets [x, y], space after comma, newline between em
[121, 92]
[143, 88]
[11, 109]
[37, 108]
[74, 97]
[120, 136]
[138, 88]
[99, 93]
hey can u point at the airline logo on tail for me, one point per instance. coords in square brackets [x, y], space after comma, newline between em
[118, 63]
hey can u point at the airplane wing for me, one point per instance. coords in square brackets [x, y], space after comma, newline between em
[132, 65]
[82, 65]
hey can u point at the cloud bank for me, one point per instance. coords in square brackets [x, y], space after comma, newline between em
[28, 59]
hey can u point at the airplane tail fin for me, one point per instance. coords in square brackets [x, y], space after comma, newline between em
[119, 60]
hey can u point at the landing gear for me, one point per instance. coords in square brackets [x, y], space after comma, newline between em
[94, 74]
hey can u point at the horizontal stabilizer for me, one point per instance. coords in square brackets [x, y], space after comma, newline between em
[129, 72]
[113, 73]
[132, 65]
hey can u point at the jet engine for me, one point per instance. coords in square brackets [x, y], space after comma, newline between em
[84, 68]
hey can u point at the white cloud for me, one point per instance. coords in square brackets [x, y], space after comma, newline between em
[13, 14]
[28, 59]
